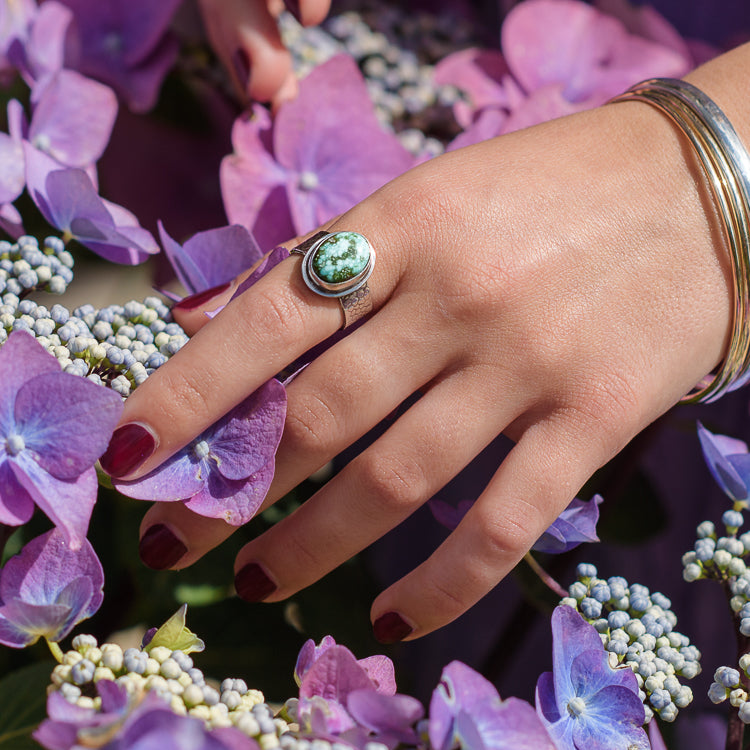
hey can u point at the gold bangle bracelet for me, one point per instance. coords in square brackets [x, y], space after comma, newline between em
[726, 165]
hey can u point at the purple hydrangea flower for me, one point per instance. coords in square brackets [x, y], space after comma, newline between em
[225, 472]
[466, 711]
[125, 45]
[584, 703]
[124, 722]
[53, 428]
[72, 118]
[15, 20]
[47, 589]
[378, 668]
[333, 694]
[211, 258]
[729, 463]
[69, 201]
[576, 524]
[311, 163]
[558, 57]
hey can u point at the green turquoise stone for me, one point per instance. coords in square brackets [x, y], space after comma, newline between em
[341, 257]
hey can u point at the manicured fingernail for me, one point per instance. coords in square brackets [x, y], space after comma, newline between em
[253, 584]
[293, 7]
[159, 548]
[391, 628]
[128, 448]
[196, 300]
[241, 63]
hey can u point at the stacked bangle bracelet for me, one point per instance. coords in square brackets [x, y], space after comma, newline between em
[726, 164]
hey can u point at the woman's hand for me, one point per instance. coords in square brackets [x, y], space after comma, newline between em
[564, 285]
[245, 36]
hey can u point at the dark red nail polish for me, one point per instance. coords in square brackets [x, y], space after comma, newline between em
[241, 63]
[253, 584]
[196, 300]
[128, 448]
[159, 548]
[293, 7]
[391, 628]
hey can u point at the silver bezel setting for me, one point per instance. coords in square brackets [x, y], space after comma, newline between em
[342, 288]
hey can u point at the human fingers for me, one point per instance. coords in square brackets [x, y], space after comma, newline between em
[535, 482]
[341, 395]
[246, 39]
[252, 339]
[308, 12]
[433, 440]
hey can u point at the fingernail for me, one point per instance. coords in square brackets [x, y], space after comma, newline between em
[128, 448]
[241, 63]
[159, 548]
[196, 300]
[391, 628]
[253, 584]
[293, 7]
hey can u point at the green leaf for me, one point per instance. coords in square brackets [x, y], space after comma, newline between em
[175, 636]
[23, 697]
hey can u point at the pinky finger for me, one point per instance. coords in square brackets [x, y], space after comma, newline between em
[534, 484]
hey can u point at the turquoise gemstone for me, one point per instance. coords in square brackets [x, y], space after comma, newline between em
[341, 257]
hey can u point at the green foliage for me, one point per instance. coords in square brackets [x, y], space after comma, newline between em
[23, 697]
[175, 636]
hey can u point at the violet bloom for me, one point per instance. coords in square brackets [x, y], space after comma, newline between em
[126, 45]
[729, 463]
[338, 695]
[212, 257]
[226, 471]
[69, 201]
[558, 57]
[125, 722]
[584, 703]
[312, 162]
[53, 428]
[47, 589]
[378, 668]
[15, 19]
[467, 712]
[575, 525]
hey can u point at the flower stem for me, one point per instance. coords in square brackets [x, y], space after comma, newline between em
[546, 578]
[55, 649]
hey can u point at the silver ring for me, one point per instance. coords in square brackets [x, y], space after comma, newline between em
[338, 265]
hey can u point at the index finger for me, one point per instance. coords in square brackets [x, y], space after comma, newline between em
[252, 339]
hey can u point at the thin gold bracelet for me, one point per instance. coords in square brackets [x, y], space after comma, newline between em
[726, 164]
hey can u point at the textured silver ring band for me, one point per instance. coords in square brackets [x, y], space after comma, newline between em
[338, 265]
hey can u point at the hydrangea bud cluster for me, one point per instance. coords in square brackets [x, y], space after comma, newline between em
[396, 48]
[728, 685]
[637, 628]
[173, 676]
[118, 346]
[721, 558]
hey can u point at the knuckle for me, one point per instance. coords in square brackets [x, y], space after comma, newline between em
[398, 483]
[188, 394]
[281, 313]
[310, 423]
[507, 535]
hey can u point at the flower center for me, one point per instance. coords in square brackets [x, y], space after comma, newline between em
[42, 142]
[14, 444]
[202, 450]
[576, 706]
[308, 181]
[113, 43]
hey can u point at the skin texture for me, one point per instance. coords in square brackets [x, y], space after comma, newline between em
[565, 285]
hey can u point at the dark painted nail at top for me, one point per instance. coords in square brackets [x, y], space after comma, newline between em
[391, 628]
[159, 548]
[128, 448]
[253, 584]
[200, 298]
